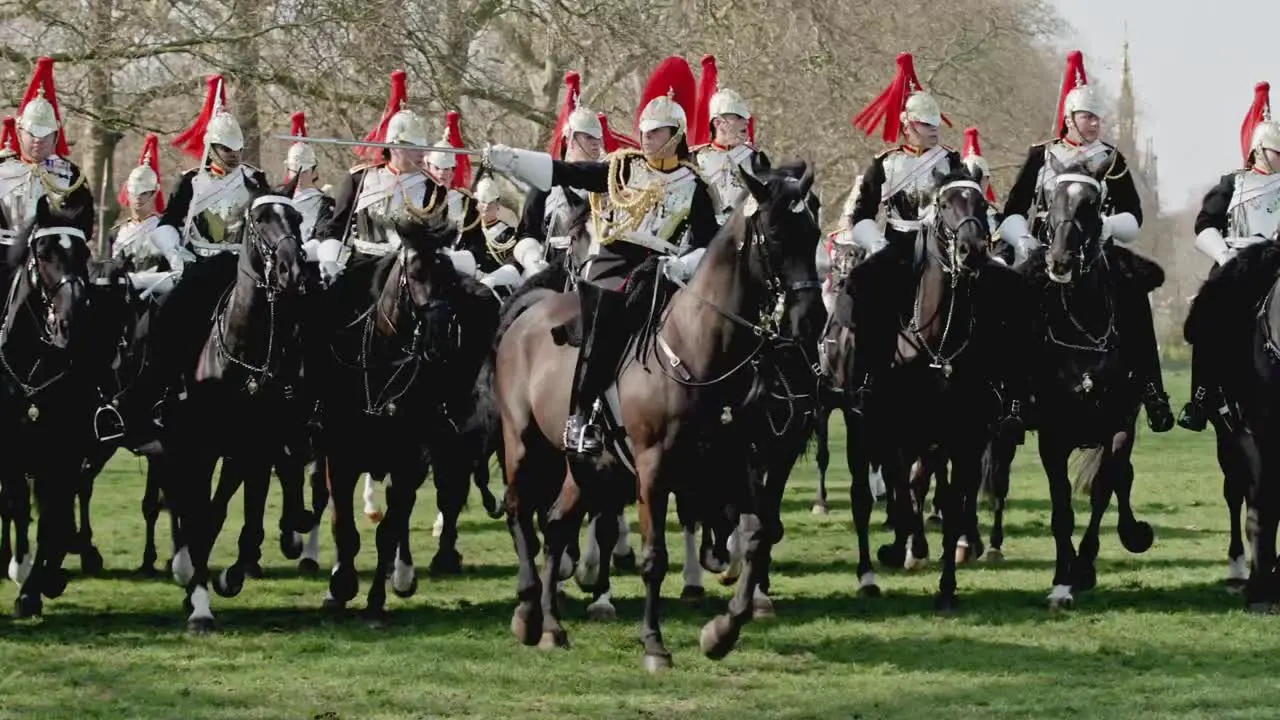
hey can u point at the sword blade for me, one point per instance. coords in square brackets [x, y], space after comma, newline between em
[365, 143]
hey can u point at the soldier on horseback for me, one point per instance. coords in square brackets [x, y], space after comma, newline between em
[454, 172]
[392, 184]
[1080, 113]
[38, 181]
[154, 249]
[726, 141]
[210, 199]
[643, 203]
[544, 224]
[497, 261]
[1237, 213]
[900, 178]
[301, 183]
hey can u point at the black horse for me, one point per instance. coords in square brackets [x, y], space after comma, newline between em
[227, 351]
[391, 342]
[1086, 394]
[947, 305]
[49, 366]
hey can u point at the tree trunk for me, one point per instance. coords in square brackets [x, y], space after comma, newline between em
[100, 139]
[246, 100]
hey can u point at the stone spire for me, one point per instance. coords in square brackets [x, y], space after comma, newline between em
[1126, 108]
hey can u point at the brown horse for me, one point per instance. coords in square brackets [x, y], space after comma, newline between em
[694, 362]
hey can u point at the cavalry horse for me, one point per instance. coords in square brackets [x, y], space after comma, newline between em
[947, 313]
[389, 348]
[1086, 397]
[49, 365]
[227, 347]
[692, 361]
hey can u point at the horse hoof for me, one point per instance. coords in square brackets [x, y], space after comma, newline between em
[446, 563]
[914, 564]
[1061, 598]
[934, 520]
[307, 566]
[1260, 608]
[526, 624]
[602, 612]
[762, 608]
[694, 595]
[230, 582]
[54, 584]
[892, 556]
[869, 591]
[995, 555]
[729, 578]
[1137, 538]
[343, 585]
[290, 545]
[253, 571]
[718, 637]
[821, 509]
[962, 555]
[1235, 586]
[147, 570]
[333, 605]
[946, 603]
[200, 626]
[554, 639]
[375, 617]
[407, 592]
[625, 562]
[657, 662]
[26, 606]
[91, 562]
[375, 516]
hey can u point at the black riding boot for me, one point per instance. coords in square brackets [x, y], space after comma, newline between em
[604, 336]
[1146, 361]
[1207, 397]
[872, 355]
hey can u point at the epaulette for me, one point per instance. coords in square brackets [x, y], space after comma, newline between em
[624, 153]
[369, 165]
[1046, 143]
[250, 168]
[885, 152]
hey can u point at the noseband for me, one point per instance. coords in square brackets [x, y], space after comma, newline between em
[265, 250]
[946, 235]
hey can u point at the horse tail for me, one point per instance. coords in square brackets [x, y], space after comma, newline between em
[1087, 463]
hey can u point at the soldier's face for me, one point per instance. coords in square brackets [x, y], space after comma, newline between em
[444, 176]
[584, 147]
[1272, 160]
[922, 135]
[653, 141]
[405, 160]
[142, 203]
[226, 157]
[489, 211]
[731, 130]
[1088, 125]
[37, 148]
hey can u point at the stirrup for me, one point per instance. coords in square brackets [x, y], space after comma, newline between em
[1159, 414]
[1194, 417]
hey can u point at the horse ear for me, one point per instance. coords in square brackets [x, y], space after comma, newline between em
[758, 189]
[806, 180]
[1054, 165]
[760, 163]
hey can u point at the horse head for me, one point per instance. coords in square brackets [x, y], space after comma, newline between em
[271, 246]
[959, 231]
[416, 282]
[785, 216]
[1074, 224]
[52, 281]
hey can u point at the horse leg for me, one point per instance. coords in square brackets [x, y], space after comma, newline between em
[1260, 592]
[997, 473]
[915, 492]
[603, 534]
[1136, 535]
[151, 507]
[563, 520]
[187, 484]
[653, 558]
[257, 482]
[342, 477]
[824, 460]
[404, 575]
[18, 490]
[1084, 574]
[50, 532]
[862, 500]
[310, 562]
[1053, 456]
[1233, 458]
[90, 556]
[624, 557]
[452, 479]
[294, 519]
[521, 470]
[372, 509]
[693, 591]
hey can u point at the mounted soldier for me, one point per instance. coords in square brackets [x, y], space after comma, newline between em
[643, 203]
[498, 265]
[724, 140]
[392, 183]
[39, 186]
[1237, 213]
[902, 178]
[209, 200]
[454, 172]
[973, 159]
[301, 183]
[1078, 126]
[154, 249]
[544, 225]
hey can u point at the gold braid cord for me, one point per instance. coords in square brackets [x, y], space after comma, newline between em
[52, 190]
[633, 203]
[465, 204]
[422, 213]
[497, 250]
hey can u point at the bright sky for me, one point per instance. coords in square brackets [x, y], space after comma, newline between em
[1194, 66]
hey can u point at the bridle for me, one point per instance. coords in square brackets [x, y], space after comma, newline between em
[268, 282]
[47, 295]
[1092, 245]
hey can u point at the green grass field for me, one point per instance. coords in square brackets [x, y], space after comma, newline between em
[1159, 638]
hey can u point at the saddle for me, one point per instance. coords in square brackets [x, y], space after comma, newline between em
[647, 291]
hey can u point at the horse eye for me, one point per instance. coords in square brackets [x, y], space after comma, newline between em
[798, 206]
